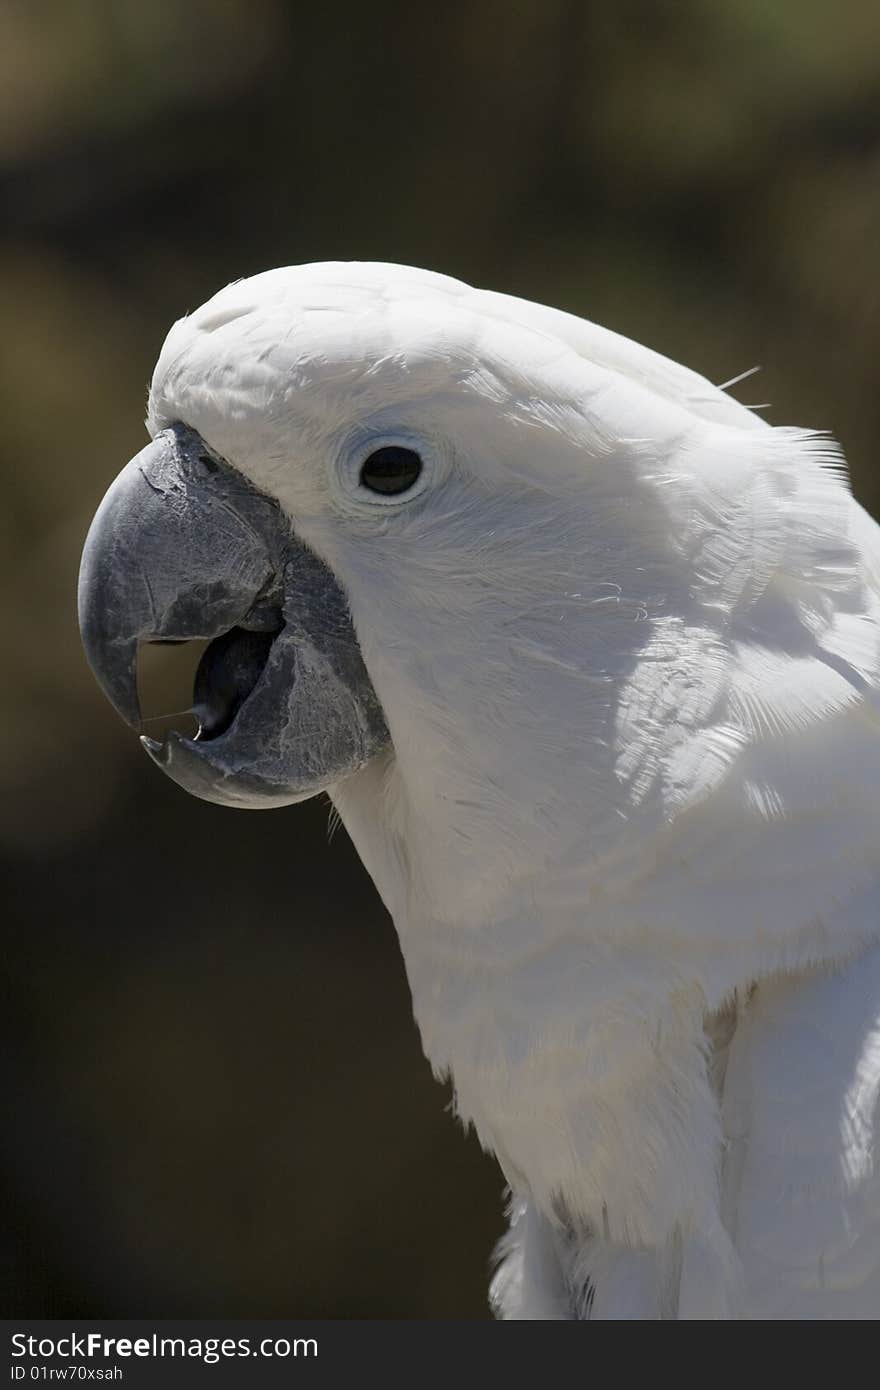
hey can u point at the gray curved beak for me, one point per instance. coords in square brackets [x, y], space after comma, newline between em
[184, 547]
[178, 549]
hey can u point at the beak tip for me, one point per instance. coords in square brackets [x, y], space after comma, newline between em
[163, 753]
[114, 666]
[155, 750]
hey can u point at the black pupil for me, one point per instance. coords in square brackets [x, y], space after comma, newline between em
[391, 470]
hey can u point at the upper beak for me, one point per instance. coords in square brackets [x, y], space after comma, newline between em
[182, 547]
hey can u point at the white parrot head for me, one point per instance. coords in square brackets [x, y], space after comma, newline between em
[431, 531]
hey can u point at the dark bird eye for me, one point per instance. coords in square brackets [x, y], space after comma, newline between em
[391, 469]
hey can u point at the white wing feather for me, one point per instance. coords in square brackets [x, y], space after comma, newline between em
[802, 1167]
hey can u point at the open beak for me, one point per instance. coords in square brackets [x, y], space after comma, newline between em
[183, 547]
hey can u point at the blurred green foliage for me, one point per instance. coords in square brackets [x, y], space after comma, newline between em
[218, 1104]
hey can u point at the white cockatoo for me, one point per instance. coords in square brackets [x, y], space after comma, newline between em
[587, 657]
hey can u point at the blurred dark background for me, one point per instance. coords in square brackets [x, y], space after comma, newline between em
[216, 1100]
